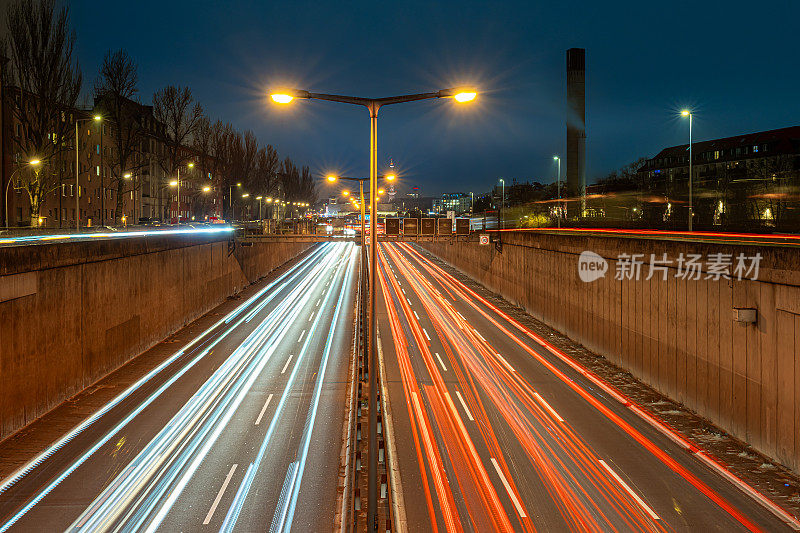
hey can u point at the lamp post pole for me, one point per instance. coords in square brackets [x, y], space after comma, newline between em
[688, 113]
[503, 205]
[558, 185]
[373, 105]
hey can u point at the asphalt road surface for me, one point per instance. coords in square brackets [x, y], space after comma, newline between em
[241, 429]
[496, 430]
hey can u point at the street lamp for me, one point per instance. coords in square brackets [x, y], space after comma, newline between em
[332, 178]
[96, 118]
[558, 181]
[178, 185]
[33, 163]
[503, 204]
[373, 105]
[688, 113]
[259, 206]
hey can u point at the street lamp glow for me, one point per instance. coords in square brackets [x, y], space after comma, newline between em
[259, 197]
[35, 162]
[246, 195]
[190, 165]
[239, 184]
[345, 193]
[98, 118]
[269, 200]
[127, 176]
[391, 177]
[465, 97]
[381, 191]
[281, 98]
[173, 183]
[206, 189]
[685, 113]
[332, 178]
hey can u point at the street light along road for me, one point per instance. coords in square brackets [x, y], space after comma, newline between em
[373, 105]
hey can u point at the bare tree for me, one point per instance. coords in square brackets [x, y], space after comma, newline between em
[48, 83]
[175, 108]
[114, 93]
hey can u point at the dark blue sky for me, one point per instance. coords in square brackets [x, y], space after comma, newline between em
[736, 63]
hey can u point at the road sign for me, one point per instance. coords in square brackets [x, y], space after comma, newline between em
[484, 239]
[392, 226]
[428, 226]
[445, 226]
[462, 226]
[410, 226]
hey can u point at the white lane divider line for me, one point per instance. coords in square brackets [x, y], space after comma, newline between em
[464, 405]
[311, 316]
[416, 315]
[440, 361]
[409, 301]
[318, 301]
[502, 360]
[263, 410]
[547, 406]
[220, 493]
[287, 364]
[301, 336]
[625, 486]
[404, 291]
[462, 316]
[426, 334]
[508, 489]
[479, 335]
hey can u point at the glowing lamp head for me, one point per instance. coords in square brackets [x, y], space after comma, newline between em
[98, 118]
[465, 97]
[190, 165]
[345, 193]
[173, 183]
[259, 197]
[685, 113]
[246, 195]
[281, 98]
[555, 158]
[206, 189]
[381, 191]
[332, 178]
[127, 176]
[35, 162]
[269, 200]
[391, 177]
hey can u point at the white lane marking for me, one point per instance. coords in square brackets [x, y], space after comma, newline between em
[479, 335]
[502, 360]
[263, 410]
[311, 316]
[464, 405]
[547, 406]
[409, 301]
[440, 361]
[220, 493]
[508, 489]
[635, 496]
[318, 301]
[416, 315]
[462, 316]
[287, 364]
[303, 335]
[426, 334]
[404, 291]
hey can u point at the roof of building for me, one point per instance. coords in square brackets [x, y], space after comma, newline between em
[782, 140]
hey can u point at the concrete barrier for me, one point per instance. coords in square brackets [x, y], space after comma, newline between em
[70, 313]
[682, 337]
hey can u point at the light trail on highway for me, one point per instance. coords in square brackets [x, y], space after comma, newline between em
[193, 422]
[502, 432]
[64, 237]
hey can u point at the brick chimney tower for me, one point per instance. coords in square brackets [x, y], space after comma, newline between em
[576, 123]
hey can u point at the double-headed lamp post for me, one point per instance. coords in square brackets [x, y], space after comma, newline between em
[177, 184]
[388, 177]
[373, 105]
[688, 113]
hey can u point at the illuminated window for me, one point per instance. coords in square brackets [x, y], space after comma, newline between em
[755, 149]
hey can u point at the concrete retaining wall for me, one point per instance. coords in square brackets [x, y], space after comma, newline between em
[70, 313]
[678, 336]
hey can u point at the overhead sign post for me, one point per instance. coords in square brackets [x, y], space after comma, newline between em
[427, 226]
[410, 227]
[392, 227]
[445, 226]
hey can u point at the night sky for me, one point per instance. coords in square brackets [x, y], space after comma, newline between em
[735, 63]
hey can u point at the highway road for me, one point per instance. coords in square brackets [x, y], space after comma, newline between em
[496, 430]
[240, 429]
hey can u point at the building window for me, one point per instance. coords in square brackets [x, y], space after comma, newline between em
[755, 148]
[97, 169]
[716, 154]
